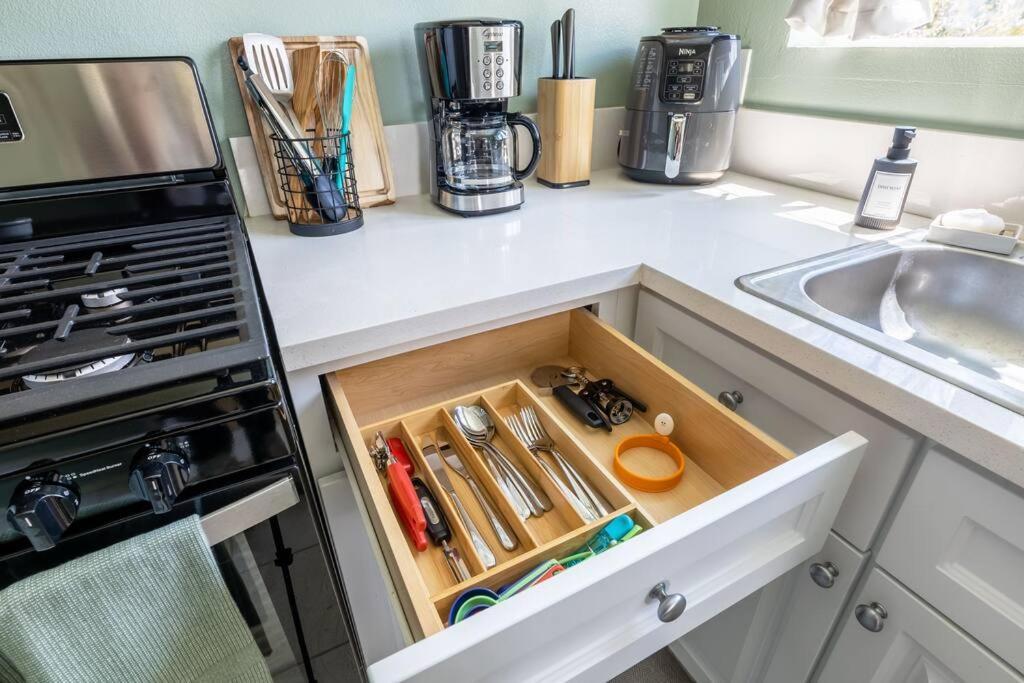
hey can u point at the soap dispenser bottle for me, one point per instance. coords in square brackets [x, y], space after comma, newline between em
[885, 194]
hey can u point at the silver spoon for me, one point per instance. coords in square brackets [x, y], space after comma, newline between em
[476, 433]
[535, 495]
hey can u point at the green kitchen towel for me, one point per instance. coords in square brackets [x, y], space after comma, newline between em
[152, 608]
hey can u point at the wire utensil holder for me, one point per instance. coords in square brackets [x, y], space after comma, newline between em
[318, 183]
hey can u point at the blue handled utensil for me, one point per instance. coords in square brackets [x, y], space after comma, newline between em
[346, 113]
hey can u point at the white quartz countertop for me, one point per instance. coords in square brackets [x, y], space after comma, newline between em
[414, 273]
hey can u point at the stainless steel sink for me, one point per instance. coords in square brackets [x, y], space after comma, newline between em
[954, 313]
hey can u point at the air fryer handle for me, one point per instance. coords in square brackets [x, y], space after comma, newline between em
[527, 123]
[675, 137]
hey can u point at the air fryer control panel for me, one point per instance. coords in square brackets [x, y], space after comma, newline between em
[692, 70]
[684, 78]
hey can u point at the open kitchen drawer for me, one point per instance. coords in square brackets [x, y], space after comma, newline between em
[745, 512]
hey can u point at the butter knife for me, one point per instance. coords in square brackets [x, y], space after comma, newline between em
[505, 536]
[430, 454]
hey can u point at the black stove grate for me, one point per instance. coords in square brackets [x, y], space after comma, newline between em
[172, 294]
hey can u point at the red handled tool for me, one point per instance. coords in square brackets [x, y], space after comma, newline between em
[401, 455]
[403, 494]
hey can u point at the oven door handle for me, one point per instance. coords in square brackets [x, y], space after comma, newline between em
[247, 512]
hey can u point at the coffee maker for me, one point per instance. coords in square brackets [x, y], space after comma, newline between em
[470, 69]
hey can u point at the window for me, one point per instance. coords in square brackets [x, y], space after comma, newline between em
[966, 23]
[974, 19]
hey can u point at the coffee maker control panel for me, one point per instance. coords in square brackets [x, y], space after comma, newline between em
[493, 66]
[492, 50]
[471, 59]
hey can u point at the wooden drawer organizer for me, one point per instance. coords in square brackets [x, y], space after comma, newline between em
[410, 395]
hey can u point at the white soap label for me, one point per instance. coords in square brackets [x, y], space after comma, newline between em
[885, 198]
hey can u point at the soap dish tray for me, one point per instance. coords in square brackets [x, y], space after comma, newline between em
[1003, 243]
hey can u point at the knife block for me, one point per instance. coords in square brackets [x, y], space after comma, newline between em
[565, 115]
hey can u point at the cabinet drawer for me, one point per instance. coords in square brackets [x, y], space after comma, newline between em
[745, 511]
[794, 410]
[914, 644]
[958, 541]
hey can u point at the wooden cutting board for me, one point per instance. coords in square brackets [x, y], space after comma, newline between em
[374, 179]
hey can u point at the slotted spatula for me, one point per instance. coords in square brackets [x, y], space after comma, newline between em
[267, 56]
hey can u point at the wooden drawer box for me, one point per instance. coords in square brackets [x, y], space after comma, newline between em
[745, 512]
[785, 404]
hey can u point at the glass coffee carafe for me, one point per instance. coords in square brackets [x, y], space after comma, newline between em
[479, 150]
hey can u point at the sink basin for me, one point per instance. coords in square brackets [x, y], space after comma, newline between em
[954, 313]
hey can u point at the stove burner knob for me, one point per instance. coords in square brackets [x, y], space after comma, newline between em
[42, 508]
[159, 476]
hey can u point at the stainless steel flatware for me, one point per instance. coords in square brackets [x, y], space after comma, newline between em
[541, 441]
[433, 458]
[584, 498]
[506, 536]
[476, 433]
[523, 493]
[535, 497]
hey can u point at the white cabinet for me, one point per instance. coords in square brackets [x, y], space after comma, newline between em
[958, 542]
[791, 408]
[747, 510]
[811, 611]
[775, 635]
[913, 643]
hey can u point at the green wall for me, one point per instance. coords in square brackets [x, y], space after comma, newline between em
[969, 89]
[607, 36]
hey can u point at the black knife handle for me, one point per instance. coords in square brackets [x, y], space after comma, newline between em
[437, 525]
[579, 407]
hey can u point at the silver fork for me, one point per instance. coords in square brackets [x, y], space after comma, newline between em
[578, 504]
[541, 441]
[582, 507]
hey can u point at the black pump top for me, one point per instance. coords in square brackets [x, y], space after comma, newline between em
[902, 136]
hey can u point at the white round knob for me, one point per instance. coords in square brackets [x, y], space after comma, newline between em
[664, 424]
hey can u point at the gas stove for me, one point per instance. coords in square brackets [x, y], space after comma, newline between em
[136, 372]
[87, 318]
[96, 306]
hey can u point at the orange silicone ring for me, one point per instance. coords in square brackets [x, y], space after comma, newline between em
[649, 484]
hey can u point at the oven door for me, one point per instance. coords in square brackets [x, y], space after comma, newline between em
[263, 534]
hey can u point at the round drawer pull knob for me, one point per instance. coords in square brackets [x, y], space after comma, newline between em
[872, 617]
[731, 399]
[670, 605]
[824, 574]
